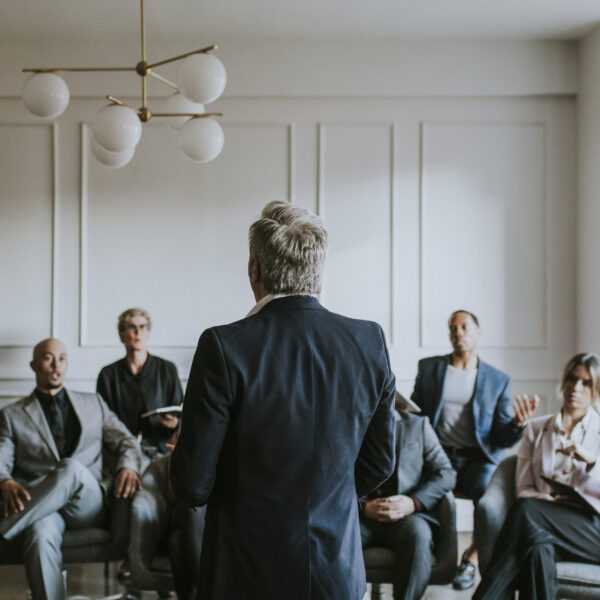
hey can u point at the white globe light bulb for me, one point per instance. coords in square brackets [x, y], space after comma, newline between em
[117, 128]
[202, 77]
[46, 95]
[112, 160]
[178, 103]
[201, 139]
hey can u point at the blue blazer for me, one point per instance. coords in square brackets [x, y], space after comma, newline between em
[287, 417]
[491, 402]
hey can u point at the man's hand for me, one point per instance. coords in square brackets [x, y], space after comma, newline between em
[388, 510]
[127, 483]
[168, 421]
[13, 494]
[524, 408]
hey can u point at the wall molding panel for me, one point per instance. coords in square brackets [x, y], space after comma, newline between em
[408, 187]
[274, 184]
[12, 157]
[483, 229]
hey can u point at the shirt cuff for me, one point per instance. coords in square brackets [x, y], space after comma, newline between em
[418, 504]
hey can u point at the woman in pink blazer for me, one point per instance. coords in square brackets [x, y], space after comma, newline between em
[549, 522]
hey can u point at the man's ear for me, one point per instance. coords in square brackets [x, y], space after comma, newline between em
[254, 270]
[31, 364]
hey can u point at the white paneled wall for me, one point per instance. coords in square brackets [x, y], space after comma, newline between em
[432, 204]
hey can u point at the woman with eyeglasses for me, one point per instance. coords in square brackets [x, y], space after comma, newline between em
[139, 383]
[555, 517]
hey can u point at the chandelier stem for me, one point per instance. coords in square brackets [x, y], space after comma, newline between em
[196, 115]
[143, 19]
[170, 60]
[81, 69]
[144, 93]
[164, 80]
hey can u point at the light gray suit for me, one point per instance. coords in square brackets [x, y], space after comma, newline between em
[64, 493]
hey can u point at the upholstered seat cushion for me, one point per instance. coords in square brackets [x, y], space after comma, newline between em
[578, 573]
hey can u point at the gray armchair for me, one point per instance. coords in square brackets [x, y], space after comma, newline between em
[94, 544]
[379, 562]
[577, 581]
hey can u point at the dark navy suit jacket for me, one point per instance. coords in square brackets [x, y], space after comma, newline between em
[288, 416]
[491, 402]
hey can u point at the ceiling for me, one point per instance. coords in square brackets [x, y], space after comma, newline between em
[23, 20]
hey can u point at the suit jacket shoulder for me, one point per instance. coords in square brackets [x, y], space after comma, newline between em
[497, 374]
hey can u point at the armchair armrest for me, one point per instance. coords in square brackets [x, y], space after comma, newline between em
[492, 509]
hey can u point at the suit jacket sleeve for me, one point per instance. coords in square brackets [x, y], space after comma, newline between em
[119, 440]
[376, 458]
[7, 448]
[439, 477]
[175, 392]
[103, 390]
[205, 419]
[504, 432]
[525, 484]
[417, 393]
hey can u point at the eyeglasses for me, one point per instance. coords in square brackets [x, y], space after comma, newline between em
[136, 328]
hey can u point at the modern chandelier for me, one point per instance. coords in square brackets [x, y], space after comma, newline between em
[117, 127]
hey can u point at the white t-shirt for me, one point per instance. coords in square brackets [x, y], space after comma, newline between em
[455, 427]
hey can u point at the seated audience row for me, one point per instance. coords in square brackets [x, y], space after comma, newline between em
[58, 452]
[52, 476]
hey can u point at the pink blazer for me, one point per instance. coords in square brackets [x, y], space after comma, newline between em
[536, 458]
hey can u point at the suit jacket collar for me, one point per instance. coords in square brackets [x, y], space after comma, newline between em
[36, 413]
[288, 303]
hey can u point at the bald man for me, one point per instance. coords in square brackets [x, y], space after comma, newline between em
[51, 475]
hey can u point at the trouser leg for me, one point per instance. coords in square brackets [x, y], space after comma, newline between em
[42, 543]
[537, 577]
[411, 539]
[535, 534]
[69, 488]
[473, 476]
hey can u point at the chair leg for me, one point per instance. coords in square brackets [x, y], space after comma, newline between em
[106, 578]
[377, 591]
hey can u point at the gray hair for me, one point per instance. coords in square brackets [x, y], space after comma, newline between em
[289, 243]
[133, 312]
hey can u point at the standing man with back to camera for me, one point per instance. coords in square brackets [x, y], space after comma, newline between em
[287, 418]
[468, 403]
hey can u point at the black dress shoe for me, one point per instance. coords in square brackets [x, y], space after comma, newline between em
[465, 576]
[124, 573]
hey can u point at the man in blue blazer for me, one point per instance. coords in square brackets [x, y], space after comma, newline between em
[287, 418]
[469, 405]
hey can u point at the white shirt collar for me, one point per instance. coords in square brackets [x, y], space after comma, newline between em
[266, 299]
[582, 425]
[263, 302]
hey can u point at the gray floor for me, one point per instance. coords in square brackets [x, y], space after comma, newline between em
[88, 581]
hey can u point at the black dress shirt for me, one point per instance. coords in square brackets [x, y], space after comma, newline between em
[129, 395]
[62, 420]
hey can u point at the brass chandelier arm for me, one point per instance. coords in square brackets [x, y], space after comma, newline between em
[197, 115]
[170, 60]
[143, 23]
[164, 80]
[72, 69]
[116, 101]
[144, 93]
